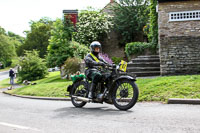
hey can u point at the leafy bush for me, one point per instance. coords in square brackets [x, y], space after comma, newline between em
[72, 65]
[79, 50]
[32, 67]
[92, 25]
[117, 60]
[136, 48]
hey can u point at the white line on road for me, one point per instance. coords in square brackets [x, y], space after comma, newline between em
[18, 126]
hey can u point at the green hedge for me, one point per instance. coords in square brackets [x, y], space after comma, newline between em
[117, 60]
[136, 48]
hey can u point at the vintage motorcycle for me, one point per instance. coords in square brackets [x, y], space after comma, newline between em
[115, 88]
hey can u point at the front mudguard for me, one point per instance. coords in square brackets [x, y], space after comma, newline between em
[118, 79]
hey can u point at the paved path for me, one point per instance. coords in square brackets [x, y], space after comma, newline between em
[19, 115]
[4, 75]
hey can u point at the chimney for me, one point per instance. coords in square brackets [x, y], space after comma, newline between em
[111, 1]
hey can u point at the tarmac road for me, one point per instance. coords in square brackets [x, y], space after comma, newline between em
[20, 115]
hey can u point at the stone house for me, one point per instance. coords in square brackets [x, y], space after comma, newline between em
[179, 36]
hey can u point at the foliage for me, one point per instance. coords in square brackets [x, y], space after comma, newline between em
[2, 31]
[79, 50]
[7, 50]
[136, 48]
[117, 60]
[16, 37]
[153, 30]
[38, 37]
[17, 40]
[92, 25]
[130, 16]
[60, 47]
[72, 65]
[32, 66]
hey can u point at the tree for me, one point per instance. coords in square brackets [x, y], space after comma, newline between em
[60, 47]
[130, 16]
[7, 50]
[32, 66]
[17, 40]
[92, 25]
[38, 37]
[2, 31]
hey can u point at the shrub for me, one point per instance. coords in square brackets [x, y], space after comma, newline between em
[117, 60]
[136, 48]
[32, 67]
[79, 50]
[72, 65]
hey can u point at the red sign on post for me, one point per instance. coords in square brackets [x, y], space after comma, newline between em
[72, 15]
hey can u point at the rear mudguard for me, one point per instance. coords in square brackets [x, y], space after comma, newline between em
[69, 88]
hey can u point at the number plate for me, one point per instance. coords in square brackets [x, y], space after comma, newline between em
[123, 66]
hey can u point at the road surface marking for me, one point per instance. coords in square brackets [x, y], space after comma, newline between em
[18, 126]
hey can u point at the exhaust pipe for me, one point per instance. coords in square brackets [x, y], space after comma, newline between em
[82, 98]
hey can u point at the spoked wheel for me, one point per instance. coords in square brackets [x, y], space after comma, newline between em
[125, 94]
[79, 89]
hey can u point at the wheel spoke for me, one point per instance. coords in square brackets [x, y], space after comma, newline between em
[121, 99]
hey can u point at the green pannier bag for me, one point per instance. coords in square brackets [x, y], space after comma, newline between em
[77, 77]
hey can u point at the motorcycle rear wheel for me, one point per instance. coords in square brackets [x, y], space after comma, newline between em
[125, 94]
[79, 89]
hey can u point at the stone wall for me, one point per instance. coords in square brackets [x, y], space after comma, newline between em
[179, 41]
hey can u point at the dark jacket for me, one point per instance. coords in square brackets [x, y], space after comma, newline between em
[11, 73]
[91, 64]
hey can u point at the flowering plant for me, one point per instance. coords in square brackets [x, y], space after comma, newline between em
[106, 58]
[92, 25]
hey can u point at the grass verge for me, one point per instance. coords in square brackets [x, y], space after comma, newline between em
[51, 86]
[151, 89]
[4, 83]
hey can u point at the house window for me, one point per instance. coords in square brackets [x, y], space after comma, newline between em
[184, 16]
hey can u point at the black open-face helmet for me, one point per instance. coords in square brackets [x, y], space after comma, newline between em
[94, 45]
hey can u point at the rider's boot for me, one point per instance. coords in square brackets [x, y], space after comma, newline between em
[91, 89]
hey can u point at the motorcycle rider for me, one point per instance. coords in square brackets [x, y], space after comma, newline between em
[94, 62]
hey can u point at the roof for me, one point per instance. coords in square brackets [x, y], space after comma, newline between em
[70, 11]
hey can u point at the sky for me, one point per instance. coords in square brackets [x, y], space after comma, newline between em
[15, 15]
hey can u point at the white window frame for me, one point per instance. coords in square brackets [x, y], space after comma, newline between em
[184, 15]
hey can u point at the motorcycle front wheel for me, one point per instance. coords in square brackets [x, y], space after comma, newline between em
[79, 89]
[125, 94]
